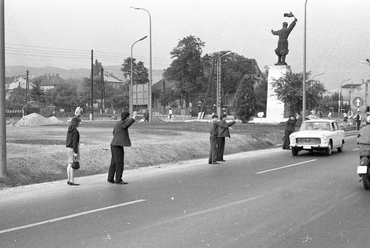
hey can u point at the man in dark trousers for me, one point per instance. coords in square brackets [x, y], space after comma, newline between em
[222, 133]
[214, 140]
[289, 129]
[121, 138]
[358, 120]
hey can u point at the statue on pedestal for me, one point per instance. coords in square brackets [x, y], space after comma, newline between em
[282, 49]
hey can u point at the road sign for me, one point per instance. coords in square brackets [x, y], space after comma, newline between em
[358, 102]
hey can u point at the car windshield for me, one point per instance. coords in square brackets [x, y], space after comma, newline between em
[319, 125]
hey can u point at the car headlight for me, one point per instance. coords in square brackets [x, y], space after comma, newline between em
[292, 138]
[324, 137]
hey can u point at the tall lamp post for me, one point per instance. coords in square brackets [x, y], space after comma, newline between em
[317, 75]
[304, 65]
[131, 84]
[366, 84]
[150, 62]
[218, 103]
[340, 97]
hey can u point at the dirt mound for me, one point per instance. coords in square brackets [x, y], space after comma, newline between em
[55, 120]
[34, 119]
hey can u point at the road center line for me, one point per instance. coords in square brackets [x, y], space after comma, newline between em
[69, 216]
[286, 166]
[206, 211]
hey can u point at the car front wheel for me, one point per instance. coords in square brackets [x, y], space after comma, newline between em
[340, 149]
[294, 151]
[328, 150]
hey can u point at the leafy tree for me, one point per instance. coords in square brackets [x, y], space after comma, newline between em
[186, 69]
[245, 102]
[139, 72]
[17, 97]
[84, 94]
[37, 94]
[289, 90]
[63, 96]
[117, 98]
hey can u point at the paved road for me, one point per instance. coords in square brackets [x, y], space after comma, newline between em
[256, 199]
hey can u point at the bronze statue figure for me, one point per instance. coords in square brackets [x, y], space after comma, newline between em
[282, 49]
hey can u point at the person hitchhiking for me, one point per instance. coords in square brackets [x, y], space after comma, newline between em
[73, 150]
[214, 140]
[222, 133]
[121, 138]
[289, 128]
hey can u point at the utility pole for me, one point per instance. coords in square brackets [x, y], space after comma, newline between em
[27, 86]
[92, 85]
[2, 93]
[102, 88]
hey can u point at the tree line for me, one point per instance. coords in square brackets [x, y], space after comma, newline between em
[192, 74]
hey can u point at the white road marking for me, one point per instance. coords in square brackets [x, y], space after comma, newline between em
[69, 216]
[206, 211]
[286, 166]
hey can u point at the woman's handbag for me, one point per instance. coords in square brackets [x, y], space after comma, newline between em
[75, 164]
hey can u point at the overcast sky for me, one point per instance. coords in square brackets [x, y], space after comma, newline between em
[61, 33]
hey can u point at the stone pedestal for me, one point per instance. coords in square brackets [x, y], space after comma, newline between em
[275, 108]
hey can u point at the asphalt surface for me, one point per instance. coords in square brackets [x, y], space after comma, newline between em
[255, 199]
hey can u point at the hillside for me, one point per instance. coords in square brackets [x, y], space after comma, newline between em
[12, 71]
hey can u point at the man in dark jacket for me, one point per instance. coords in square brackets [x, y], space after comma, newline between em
[289, 128]
[214, 140]
[222, 133]
[121, 138]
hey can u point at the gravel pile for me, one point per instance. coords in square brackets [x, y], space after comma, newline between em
[34, 120]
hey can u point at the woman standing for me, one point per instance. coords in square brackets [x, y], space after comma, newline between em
[289, 128]
[73, 151]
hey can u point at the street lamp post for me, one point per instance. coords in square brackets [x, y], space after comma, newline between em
[317, 75]
[150, 65]
[304, 65]
[219, 97]
[131, 75]
[340, 97]
[366, 83]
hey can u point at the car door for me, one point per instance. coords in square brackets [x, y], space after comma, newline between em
[337, 135]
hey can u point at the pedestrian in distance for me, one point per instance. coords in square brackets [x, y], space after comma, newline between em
[170, 114]
[289, 128]
[299, 120]
[79, 111]
[214, 140]
[121, 139]
[222, 133]
[330, 115]
[73, 150]
[146, 116]
[358, 120]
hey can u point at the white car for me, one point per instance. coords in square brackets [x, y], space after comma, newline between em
[317, 135]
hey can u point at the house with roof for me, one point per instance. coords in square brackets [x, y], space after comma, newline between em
[50, 81]
[19, 81]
